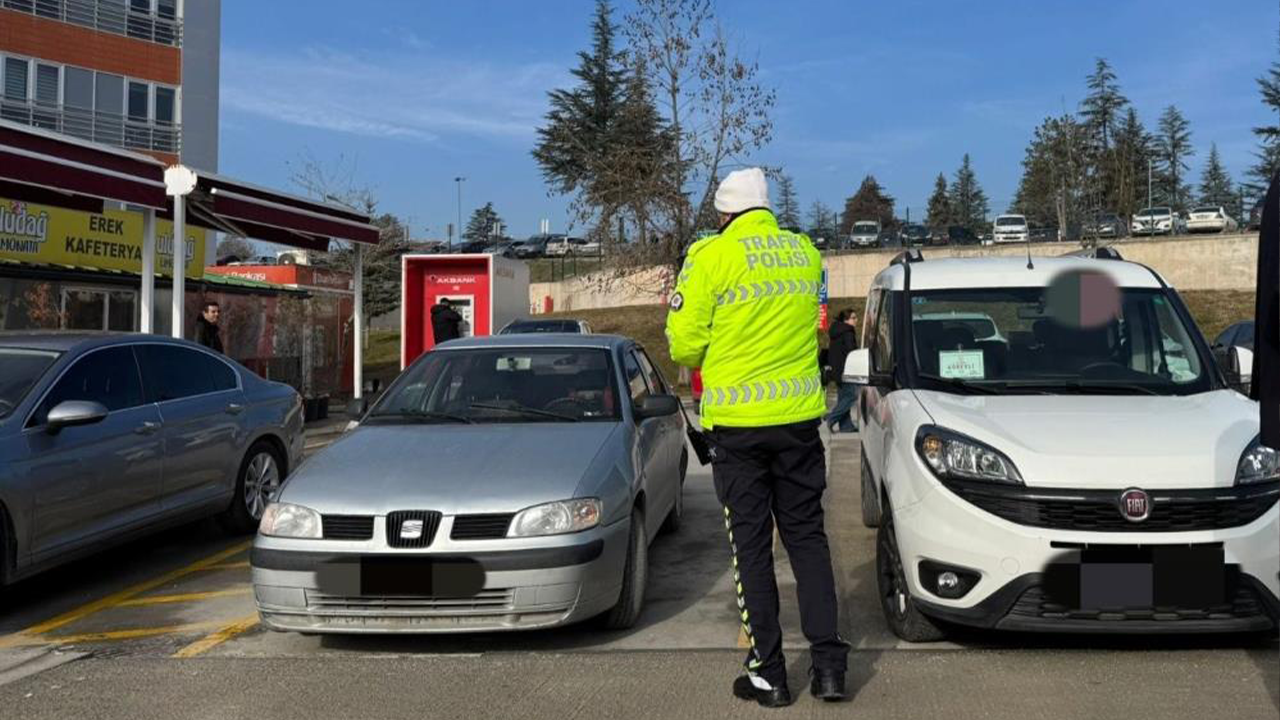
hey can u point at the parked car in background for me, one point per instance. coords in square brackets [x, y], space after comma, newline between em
[1010, 229]
[960, 235]
[1105, 226]
[1211, 218]
[533, 247]
[105, 437]
[556, 245]
[865, 234]
[471, 247]
[498, 247]
[1255, 215]
[549, 325]
[584, 247]
[938, 236]
[509, 483]
[1160, 220]
[820, 241]
[1043, 233]
[915, 235]
[1236, 335]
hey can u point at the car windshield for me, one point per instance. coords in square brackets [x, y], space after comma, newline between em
[865, 229]
[542, 326]
[1146, 212]
[914, 230]
[1015, 220]
[503, 385]
[1205, 210]
[1003, 339]
[19, 370]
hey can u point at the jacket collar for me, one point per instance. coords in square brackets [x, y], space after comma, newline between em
[748, 211]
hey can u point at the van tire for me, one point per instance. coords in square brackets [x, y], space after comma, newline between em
[870, 503]
[899, 608]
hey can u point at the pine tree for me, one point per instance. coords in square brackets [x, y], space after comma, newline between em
[1268, 135]
[1216, 187]
[634, 171]
[577, 131]
[484, 223]
[969, 205]
[1133, 150]
[1055, 175]
[1101, 108]
[1173, 148]
[869, 203]
[938, 214]
[788, 204]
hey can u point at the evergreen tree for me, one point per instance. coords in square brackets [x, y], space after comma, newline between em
[634, 170]
[484, 223]
[1101, 108]
[1055, 173]
[869, 203]
[938, 214]
[1268, 135]
[1133, 150]
[232, 246]
[1173, 148]
[822, 221]
[1216, 187]
[577, 131]
[969, 205]
[788, 204]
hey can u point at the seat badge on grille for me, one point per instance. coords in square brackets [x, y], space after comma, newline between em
[1135, 505]
[411, 530]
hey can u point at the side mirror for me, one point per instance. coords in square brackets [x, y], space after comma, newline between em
[70, 413]
[1242, 367]
[857, 369]
[656, 406]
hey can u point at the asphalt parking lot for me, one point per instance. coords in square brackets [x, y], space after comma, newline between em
[166, 627]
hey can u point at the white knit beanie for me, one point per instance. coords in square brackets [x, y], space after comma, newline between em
[742, 190]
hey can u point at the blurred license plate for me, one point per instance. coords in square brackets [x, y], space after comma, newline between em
[1106, 578]
[377, 575]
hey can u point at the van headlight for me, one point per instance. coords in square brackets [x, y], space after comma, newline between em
[1258, 464]
[951, 455]
[290, 521]
[557, 518]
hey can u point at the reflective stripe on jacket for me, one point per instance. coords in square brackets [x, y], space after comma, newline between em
[745, 310]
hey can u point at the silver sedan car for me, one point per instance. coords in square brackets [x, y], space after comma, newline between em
[500, 483]
[105, 437]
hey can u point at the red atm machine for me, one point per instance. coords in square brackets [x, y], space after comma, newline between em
[489, 291]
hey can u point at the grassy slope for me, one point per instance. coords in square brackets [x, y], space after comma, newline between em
[1213, 310]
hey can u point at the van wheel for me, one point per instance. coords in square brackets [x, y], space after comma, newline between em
[634, 576]
[675, 518]
[870, 507]
[258, 483]
[900, 612]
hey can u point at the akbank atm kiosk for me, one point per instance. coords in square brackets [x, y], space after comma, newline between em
[488, 291]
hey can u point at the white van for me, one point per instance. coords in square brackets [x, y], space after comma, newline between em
[1087, 467]
[1010, 229]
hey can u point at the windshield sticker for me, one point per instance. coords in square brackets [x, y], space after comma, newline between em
[962, 364]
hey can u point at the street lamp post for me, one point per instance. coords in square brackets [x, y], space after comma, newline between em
[459, 180]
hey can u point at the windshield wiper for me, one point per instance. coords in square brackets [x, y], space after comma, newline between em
[1085, 386]
[408, 413]
[523, 410]
[983, 389]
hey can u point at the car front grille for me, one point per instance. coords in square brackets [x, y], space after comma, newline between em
[480, 527]
[402, 530]
[485, 600]
[347, 527]
[1098, 510]
[1034, 603]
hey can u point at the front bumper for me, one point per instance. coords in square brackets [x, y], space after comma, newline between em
[548, 582]
[1010, 558]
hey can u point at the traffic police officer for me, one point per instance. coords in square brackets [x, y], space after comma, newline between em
[745, 310]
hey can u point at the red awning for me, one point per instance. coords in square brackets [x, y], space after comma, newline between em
[51, 166]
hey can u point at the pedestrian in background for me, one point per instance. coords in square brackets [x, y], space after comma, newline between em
[844, 340]
[745, 310]
[446, 323]
[207, 332]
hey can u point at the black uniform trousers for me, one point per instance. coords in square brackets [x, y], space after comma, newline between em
[769, 474]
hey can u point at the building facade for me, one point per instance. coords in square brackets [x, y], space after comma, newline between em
[136, 74]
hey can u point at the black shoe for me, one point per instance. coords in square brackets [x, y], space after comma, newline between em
[778, 697]
[828, 685]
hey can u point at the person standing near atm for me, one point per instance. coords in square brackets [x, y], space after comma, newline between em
[446, 323]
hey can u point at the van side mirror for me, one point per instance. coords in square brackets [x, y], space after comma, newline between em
[70, 413]
[857, 369]
[656, 406]
[1241, 367]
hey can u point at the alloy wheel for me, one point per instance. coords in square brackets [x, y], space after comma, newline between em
[261, 483]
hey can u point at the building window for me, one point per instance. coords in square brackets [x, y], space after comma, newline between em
[151, 20]
[45, 113]
[108, 109]
[13, 96]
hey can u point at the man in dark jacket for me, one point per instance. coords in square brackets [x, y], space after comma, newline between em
[207, 333]
[1266, 342]
[844, 340]
[446, 323]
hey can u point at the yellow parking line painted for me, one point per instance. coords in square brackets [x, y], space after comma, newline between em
[111, 635]
[114, 599]
[215, 639]
[228, 566]
[185, 597]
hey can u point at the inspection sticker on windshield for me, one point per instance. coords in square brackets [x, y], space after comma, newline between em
[963, 364]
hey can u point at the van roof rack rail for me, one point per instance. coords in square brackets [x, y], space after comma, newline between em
[912, 255]
[1102, 252]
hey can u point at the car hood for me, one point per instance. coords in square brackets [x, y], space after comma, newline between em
[1108, 442]
[375, 469]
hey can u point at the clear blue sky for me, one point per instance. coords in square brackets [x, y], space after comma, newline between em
[411, 93]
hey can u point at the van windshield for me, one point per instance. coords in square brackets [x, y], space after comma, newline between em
[1002, 340]
[1011, 220]
[865, 229]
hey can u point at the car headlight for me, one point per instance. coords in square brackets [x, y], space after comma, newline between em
[1258, 464]
[953, 456]
[557, 518]
[290, 521]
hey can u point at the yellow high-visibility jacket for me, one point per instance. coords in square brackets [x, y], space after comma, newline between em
[745, 310]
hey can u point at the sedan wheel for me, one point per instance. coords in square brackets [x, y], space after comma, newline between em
[635, 574]
[258, 483]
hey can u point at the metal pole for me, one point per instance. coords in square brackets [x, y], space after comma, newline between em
[148, 270]
[459, 180]
[358, 322]
[179, 252]
[1149, 182]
